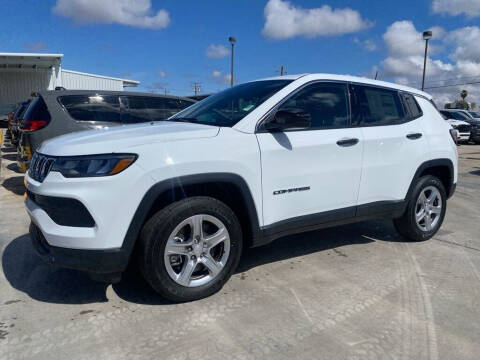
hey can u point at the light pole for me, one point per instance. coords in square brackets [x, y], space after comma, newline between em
[427, 35]
[232, 42]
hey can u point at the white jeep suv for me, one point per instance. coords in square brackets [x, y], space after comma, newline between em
[241, 168]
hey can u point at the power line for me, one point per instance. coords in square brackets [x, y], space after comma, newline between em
[444, 86]
[455, 79]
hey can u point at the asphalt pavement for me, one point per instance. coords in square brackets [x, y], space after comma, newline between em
[352, 292]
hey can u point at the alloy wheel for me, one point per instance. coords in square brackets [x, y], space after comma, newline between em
[428, 209]
[197, 250]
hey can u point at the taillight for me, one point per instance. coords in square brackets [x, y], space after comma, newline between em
[33, 125]
[453, 133]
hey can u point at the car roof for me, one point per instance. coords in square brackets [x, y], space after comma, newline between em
[108, 92]
[353, 79]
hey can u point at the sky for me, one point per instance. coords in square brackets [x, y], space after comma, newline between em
[171, 44]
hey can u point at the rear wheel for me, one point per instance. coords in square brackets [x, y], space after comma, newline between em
[425, 210]
[190, 248]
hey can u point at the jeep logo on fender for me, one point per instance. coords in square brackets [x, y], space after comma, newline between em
[279, 192]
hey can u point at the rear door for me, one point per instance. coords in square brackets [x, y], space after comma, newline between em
[394, 143]
[313, 171]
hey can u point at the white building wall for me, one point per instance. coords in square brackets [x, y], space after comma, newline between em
[17, 84]
[72, 80]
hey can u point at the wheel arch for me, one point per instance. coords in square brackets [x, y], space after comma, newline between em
[441, 168]
[229, 188]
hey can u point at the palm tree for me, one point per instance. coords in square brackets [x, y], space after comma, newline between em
[464, 94]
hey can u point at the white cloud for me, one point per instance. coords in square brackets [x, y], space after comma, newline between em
[136, 13]
[217, 51]
[221, 78]
[35, 46]
[284, 20]
[368, 44]
[404, 63]
[467, 40]
[162, 74]
[456, 7]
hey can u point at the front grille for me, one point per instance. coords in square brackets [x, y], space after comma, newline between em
[40, 166]
[463, 128]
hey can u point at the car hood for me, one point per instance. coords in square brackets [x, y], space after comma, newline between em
[118, 139]
[454, 122]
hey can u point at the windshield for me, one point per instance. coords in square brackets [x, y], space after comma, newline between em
[455, 115]
[475, 114]
[230, 106]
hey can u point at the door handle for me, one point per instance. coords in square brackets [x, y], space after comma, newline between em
[347, 142]
[414, 136]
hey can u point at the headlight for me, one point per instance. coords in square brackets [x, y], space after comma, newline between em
[93, 165]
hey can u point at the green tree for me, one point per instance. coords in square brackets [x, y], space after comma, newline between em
[473, 105]
[464, 94]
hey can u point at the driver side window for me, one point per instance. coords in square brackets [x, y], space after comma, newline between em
[326, 103]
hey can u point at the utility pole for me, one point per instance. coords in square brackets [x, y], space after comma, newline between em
[376, 75]
[427, 35]
[196, 87]
[282, 70]
[232, 41]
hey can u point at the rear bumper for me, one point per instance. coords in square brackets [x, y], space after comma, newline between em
[111, 261]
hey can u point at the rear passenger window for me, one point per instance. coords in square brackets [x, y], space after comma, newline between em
[327, 104]
[375, 106]
[145, 109]
[104, 108]
[412, 108]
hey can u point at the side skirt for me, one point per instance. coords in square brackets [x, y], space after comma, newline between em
[353, 214]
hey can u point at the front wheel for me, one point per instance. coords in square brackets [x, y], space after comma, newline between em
[189, 249]
[425, 210]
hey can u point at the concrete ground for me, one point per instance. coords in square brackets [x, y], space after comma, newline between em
[352, 292]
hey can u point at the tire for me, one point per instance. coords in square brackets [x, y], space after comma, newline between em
[407, 225]
[161, 269]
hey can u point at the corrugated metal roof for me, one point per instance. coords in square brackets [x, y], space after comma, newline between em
[130, 82]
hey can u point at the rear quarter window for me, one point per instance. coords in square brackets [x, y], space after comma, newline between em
[37, 110]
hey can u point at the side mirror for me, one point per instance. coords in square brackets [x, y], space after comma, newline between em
[289, 119]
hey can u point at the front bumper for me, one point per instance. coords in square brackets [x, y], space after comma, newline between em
[109, 201]
[107, 262]
[463, 136]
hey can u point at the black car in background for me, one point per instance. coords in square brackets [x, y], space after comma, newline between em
[54, 113]
[468, 117]
[14, 122]
[6, 112]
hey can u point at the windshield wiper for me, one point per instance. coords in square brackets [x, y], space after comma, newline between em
[184, 119]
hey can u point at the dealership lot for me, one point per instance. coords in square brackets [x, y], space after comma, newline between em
[357, 291]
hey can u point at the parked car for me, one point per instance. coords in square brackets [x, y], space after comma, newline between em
[243, 167]
[459, 122]
[55, 113]
[474, 114]
[6, 112]
[14, 122]
[466, 117]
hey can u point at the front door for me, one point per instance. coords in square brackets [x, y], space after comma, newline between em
[315, 171]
